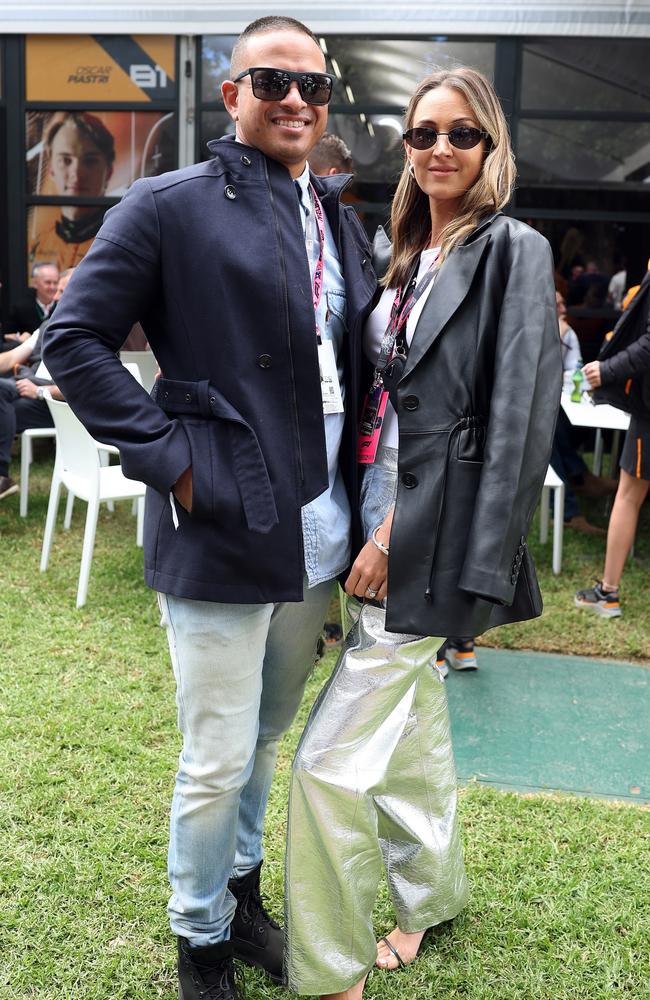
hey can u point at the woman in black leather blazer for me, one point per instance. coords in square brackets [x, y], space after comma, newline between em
[465, 340]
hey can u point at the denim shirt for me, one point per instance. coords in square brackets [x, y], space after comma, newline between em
[326, 520]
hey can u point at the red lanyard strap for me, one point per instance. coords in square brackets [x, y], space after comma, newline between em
[403, 305]
[319, 270]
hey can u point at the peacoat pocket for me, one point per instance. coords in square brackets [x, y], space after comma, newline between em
[215, 491]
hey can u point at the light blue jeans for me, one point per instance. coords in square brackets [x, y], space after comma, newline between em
[240, 674]
[378, 489]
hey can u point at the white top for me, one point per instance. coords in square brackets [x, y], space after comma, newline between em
[375, 329]
[571, 356]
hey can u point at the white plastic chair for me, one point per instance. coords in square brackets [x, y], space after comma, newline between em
[131, 363]
[77, 467]
[105, 451]
[553, 482]
[147, 366]
[26, 457]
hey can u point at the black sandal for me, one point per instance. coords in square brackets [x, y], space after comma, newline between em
[401, 964]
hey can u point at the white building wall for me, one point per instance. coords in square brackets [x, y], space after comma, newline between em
[623, 19]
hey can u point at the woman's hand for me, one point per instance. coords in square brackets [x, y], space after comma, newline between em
[369, 574]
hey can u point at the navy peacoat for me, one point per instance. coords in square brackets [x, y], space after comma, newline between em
[211, 260]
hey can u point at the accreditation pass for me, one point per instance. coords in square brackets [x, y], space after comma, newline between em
[329, 378]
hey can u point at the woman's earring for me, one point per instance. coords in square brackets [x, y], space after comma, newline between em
[411, 169]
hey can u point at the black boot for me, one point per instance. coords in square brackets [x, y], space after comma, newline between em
[254, 935]
[206, 973]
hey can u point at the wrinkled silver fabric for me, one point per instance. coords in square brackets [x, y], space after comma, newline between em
[373, 778]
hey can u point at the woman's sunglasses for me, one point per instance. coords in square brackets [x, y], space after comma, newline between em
[273, 84]
[462, 137]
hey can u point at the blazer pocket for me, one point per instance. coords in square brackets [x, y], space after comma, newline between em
[471, 444]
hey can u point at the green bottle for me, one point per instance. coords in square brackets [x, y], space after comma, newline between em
[576, 378]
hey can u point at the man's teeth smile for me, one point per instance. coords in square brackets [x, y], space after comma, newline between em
[290, 122]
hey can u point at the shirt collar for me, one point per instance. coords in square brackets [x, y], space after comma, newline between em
[303, 183]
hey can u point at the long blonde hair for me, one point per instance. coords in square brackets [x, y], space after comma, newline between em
[410, 217]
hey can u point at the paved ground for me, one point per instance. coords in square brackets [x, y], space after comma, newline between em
[536, 721]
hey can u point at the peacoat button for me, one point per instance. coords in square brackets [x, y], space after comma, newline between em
[264, 360]
[411, 403]
[246, 160]
[188, 397]
[409, 480]
[230, 192]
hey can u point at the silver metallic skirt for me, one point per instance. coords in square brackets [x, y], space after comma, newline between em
[373, 780]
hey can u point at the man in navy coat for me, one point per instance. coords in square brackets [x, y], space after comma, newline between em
[251, 282]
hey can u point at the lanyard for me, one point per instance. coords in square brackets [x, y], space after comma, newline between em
[403, 305]
[318, 276]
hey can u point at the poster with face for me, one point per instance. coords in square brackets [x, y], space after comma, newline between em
[84, 156]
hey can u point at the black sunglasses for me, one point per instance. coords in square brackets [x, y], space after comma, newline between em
[462, 137]
[273, 84]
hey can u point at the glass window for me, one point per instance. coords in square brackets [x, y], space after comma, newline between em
[96, 154]
[82, 156]
[385, 72]
[214, 124]
[215, 64]
[577, 74]
[551, 151]
[375, 142]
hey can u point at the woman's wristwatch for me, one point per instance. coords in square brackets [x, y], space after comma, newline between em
[375, 541]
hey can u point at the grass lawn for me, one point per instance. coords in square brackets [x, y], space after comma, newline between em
[560, 886]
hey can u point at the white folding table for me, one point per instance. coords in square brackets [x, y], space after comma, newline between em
[601, 417]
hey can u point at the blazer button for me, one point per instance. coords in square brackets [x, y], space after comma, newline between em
[409, 480]
[264, 360]
[230, 192]
[411, 403]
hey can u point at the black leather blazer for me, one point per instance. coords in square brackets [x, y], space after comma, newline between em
[476, 404]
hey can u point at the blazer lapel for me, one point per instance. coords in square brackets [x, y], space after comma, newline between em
[450, 288]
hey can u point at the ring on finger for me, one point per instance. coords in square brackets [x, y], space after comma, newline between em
[371, 593]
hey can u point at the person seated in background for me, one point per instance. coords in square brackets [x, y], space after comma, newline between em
[617, 286]
[15, 356]
[565, 460]
[22, 403]
[621, 376]
[589, 288]
[28, 313]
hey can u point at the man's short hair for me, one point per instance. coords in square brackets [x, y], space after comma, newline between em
[38, 267]
[273, 22]
[330, 151]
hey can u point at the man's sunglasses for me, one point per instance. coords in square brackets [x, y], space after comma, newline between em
[462, 137]
[273, 84]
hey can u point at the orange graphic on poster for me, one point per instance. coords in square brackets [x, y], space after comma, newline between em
[138, 68]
